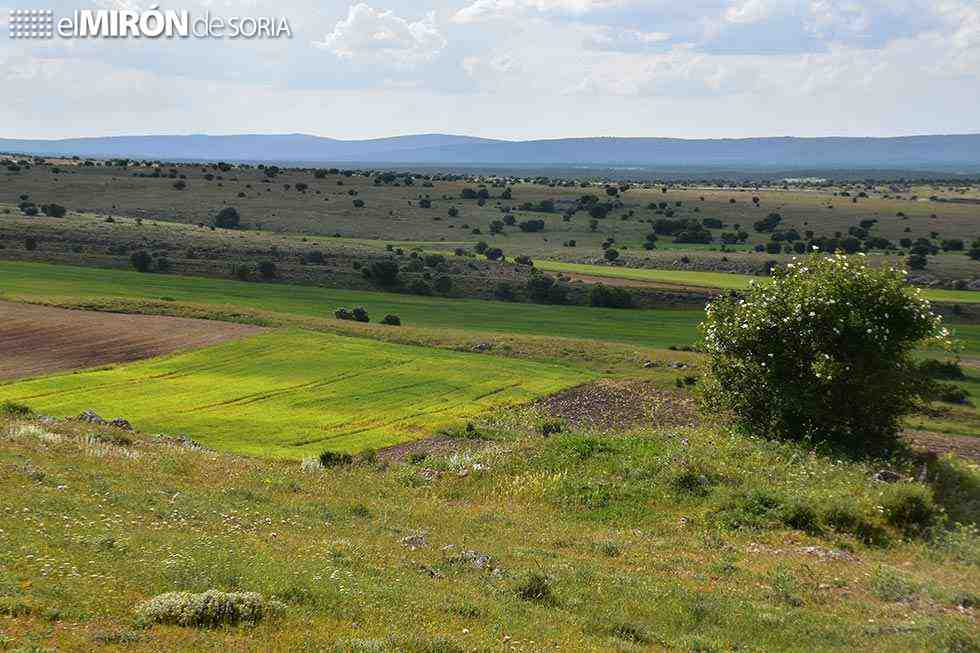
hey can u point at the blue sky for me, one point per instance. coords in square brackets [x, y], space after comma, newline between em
[515, 69]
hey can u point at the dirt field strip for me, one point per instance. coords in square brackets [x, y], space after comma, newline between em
[36, 340]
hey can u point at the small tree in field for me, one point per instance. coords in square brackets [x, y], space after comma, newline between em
[823, 350]
[227, 218]
[141, 261]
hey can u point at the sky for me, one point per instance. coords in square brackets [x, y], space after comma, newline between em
[513, 69]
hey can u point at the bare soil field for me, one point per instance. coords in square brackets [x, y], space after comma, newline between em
[37, 340]
[943, 443]
[615, 404]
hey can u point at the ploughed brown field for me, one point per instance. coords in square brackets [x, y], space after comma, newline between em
[36, 340]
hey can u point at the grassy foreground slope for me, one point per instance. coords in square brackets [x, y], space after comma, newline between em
[673, 540]
[653, 328]
[293, 394]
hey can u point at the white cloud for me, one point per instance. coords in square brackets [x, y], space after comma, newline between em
[959, 43]
[747, 12]
[482, 10]
[382, 37]
[614, 39]
[493, 73]
[680, 72]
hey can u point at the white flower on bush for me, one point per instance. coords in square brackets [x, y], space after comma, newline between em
[843, 370]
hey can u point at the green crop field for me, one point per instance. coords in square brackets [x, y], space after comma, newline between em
[683, 277]
[657, 328]
[653, 328]
[292, 394]
[714, 279]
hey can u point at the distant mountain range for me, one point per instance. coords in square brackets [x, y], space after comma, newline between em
[960, 153]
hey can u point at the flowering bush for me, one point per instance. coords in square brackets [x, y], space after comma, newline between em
[823, 350]
[208, 609]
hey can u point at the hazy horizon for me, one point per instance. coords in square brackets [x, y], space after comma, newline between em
[178, 133]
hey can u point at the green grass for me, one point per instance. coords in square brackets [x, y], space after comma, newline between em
[622, 551]
[292, 394]
[653, 328]
[721, 280]
[657, 328]
[684, 277]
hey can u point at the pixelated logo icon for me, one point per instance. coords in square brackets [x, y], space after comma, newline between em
[152, 23]
[31, 24]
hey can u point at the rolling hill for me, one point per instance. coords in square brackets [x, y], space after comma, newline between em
[956, 153]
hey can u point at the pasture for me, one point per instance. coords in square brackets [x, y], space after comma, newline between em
[293, 394]
[659, 328]
[432, 209]
[721, 280]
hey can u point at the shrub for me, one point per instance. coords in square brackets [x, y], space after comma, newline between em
[360, 314]
[443, 284]
[494, 254]
[610, 296]
[889, 584]
[420, 287]
[241, 272]
[14, 410]
[504, 291]
[845, 518]
[314, 257]
[54, 210]
[335, 459]
[543, 288]
[434, 260]
[910, 508]
[823, 350]
[227, 218]
[141, 261]
[531, 226]
[267, 269]
[391, 320]
[949, 393]
[536, 587]
[917, 262]
[549, 426]
[208, 609]
[383, 272]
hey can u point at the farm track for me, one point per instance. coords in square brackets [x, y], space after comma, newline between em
[38, 340]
